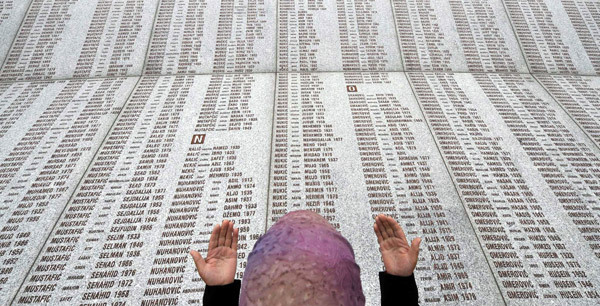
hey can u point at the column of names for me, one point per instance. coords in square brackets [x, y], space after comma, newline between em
[468, 35]
[498, 173]
[89, 38]
[185, 153]
[61, 125]
[336, 35]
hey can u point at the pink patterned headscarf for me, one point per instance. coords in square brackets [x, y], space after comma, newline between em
[302, 260]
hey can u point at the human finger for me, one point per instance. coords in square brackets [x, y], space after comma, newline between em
[378, 233]
[414, 248]
[223, 232]
[198, 261]
[379, 223]
[229, 235]
[214, 237]
[398, 231]
[387, 226]
[235, 239]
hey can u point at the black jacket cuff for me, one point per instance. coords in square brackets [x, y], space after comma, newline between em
[398, 290]
[226, 295]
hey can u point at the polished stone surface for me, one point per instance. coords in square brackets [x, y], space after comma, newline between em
[470, 35]
[128, 128]
[558, 36]
[50, 133]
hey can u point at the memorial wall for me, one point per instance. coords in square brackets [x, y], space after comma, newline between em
[128, 128]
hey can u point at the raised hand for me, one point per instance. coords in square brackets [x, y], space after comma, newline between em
[221, 261]
[399, 258]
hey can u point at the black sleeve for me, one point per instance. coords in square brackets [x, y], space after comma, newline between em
[398, 290]
[226, 295]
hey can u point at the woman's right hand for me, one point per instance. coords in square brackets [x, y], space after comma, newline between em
[399, 257]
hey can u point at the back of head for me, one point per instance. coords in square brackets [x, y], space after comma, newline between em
[302, 260]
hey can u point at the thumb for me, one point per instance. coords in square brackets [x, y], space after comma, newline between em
[414, 248]
[199, 261]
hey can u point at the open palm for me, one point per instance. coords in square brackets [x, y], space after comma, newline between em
[221, 261]
[398, 256]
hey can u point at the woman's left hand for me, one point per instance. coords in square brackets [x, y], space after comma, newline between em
[221, 261]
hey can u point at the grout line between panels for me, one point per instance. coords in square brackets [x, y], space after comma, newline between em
[393, 12]
[271, 154]
[158, 3]
[512, 27]
[12, 300]
[133, 75]
[301, 72]
[479, 242]
[273, 115]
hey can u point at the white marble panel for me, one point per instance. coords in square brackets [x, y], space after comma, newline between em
[580, 97]
[330, 35]
[528, 177]
[354, 145]
[80, 39]
[467, 35]
[11, 15]
[185, 153]
[558, 36]
[204, 36]
[49, 133]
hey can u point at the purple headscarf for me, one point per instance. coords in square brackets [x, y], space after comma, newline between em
[302, 260]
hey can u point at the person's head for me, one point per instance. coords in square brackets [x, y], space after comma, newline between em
[302, 260]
